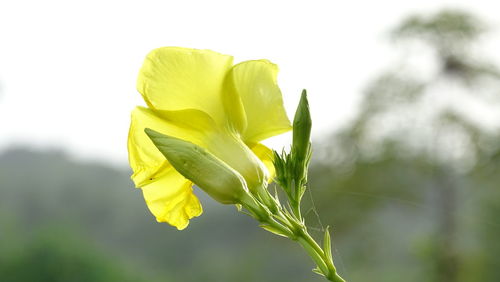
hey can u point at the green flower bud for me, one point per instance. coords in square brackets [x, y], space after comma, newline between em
[212, 175]
[301, 146]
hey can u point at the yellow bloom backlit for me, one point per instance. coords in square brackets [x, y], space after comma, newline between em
[200, 97]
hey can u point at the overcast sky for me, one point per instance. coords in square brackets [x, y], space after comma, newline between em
[68, 68]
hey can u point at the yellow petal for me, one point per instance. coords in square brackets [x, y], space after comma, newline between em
[255, 83]
[146, 161]
[173, 78]
[233, 106]
[266, 156]
[170, 199]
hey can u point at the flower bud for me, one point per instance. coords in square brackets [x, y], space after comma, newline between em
[208, 172]
[301, 146]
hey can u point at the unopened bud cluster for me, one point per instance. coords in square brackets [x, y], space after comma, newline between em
[291, 169]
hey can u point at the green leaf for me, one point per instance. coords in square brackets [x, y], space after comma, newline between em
[273, 230]
[318, 271]
[327, 245]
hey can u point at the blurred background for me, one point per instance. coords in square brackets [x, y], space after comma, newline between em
[405, 100]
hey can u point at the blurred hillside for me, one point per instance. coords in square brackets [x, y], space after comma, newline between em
[63, 220]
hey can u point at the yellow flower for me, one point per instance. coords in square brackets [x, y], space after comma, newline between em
[200, 97]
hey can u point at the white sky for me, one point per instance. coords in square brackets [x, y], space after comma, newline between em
[68, 69]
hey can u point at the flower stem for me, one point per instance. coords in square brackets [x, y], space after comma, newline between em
[285, 223]
[319, 256]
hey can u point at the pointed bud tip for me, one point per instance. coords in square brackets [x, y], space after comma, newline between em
[165, 141]
[151, 133]
[303, 96]
[303, 114]
[302, 123]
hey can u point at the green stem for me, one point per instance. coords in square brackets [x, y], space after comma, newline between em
[293, 228]
[314, 254]
[319, 256]
[296, 210]
[262, 213]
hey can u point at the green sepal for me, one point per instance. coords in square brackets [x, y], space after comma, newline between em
[281, 167]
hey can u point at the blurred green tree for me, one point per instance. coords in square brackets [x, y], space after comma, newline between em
[424, 128]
